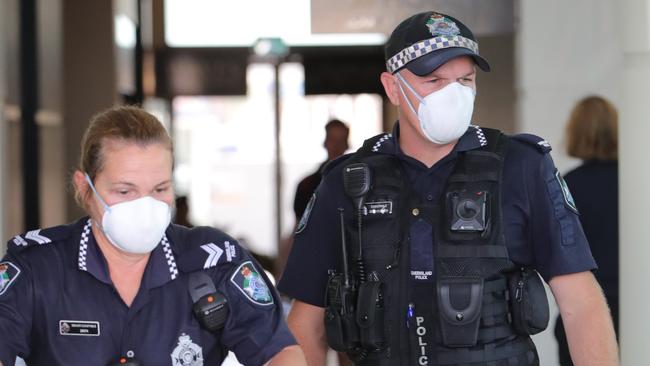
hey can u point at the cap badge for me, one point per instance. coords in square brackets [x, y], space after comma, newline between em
[441, 26]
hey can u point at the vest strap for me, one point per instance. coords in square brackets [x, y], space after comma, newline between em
[486, 354]
[499, 285]
[472, 251]
[486, 176]
[492, 333]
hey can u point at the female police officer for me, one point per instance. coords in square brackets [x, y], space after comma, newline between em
[124, 286]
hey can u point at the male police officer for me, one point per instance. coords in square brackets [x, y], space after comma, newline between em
[444, 225]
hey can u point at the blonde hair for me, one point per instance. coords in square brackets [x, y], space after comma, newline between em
[592, 130]
[124, 123]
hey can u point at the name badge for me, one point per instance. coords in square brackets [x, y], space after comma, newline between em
[421, 234]
[79, 328]
[379, 208]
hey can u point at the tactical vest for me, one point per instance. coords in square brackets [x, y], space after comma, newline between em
[445, 302]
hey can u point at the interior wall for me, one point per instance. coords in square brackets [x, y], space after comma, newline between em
[12, 206]
[89, 71]
[3, 154]
[634, 174]
[565, 50]
[495, 98]
[53, 174]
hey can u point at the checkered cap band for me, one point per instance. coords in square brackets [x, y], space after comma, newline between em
[427, 46]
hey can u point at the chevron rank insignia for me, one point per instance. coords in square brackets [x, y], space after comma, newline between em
[251, 283]
[31, 238]
[8, 274]
[218, 255]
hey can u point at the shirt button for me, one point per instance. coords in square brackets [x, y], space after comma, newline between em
[415, 212]
[429, 197]
[130, 354]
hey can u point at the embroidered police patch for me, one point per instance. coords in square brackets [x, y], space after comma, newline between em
[8, 274]
[568, 198]
[250, 283]
[441, 26]
[305, 216]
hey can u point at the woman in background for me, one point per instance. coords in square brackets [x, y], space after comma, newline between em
[592, 135]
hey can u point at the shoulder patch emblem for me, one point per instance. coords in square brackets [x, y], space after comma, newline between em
[568, 198]
[250, 283]
[305, 216]
[187, 353]
[8, 274]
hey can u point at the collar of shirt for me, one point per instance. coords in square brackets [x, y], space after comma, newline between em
[160, 269]
[472, 139]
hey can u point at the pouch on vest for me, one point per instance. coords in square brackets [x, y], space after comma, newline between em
[340, 325]
[528, 303]
[459, 304]
[370, 315]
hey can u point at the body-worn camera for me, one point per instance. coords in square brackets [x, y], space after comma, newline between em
[468, 211]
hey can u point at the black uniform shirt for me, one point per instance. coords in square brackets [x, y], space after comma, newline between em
[540, 221]
[58, 305]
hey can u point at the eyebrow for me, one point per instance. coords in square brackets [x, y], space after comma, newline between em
[168, 181]
[433, 74]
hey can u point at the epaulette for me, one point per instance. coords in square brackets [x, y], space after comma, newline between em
[207, 247]
[39, 237]
[332, 164]
[542, 145]
[374, 143]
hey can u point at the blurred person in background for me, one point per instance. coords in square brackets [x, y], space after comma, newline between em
[336, 144]
[592, 135]
[182, 212]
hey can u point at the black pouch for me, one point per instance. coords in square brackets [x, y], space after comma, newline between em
[528, 303]
[340, 325]
[370, 315]
[459, 303]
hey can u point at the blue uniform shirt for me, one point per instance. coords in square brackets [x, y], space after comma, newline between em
[540, 221]
[58, 305]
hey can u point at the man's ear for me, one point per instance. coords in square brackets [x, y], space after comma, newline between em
[391, 87]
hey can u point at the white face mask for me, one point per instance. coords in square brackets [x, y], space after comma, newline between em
[135, 226]
[445, 114]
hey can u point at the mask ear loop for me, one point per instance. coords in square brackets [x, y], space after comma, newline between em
[92, 186]
[408, 101]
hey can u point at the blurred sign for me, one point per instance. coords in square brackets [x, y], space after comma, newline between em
[342, 70]
[483, 17]
[201, 71]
